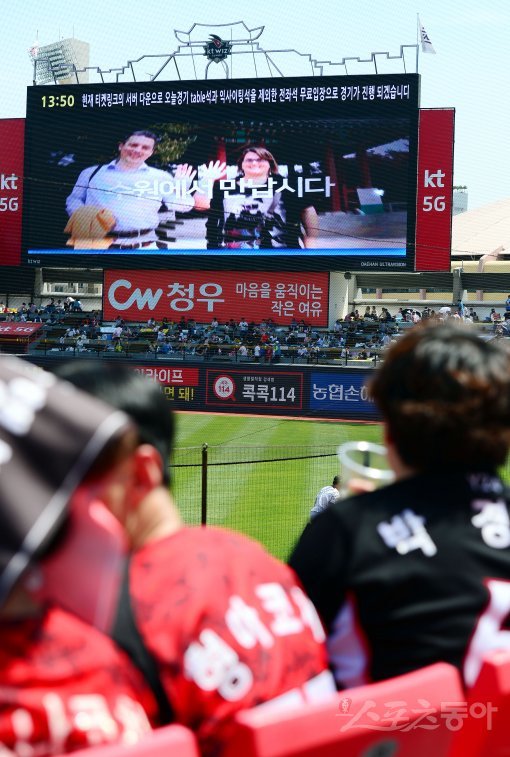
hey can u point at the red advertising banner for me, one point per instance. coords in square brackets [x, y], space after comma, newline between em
[179, 385]
[202, 295]
[435, 190]
[14, 330]
[169, 375]
[12, 133]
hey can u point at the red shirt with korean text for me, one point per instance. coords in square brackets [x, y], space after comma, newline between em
[65, 686]
[229, 626]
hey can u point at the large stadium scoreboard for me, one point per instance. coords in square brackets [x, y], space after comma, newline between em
[345, 146]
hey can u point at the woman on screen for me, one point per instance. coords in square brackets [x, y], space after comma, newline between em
[258, 209]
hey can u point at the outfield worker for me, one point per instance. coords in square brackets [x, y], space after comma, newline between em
[326, 497]
[419, 571]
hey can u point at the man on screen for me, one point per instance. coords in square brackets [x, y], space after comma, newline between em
[116, 205]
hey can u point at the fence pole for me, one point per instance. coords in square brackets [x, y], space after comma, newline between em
[203, 519]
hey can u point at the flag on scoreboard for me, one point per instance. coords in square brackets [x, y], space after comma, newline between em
[426, 44]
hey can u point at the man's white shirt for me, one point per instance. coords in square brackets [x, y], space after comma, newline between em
[326, 497]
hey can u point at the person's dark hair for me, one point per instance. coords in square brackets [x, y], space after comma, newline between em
[445, 396]
[137, 395]
[142, 133]
[263, 153]
[336, 481]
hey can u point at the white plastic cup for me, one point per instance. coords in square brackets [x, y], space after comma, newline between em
[366, 463]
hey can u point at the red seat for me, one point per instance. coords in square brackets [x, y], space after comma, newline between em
[170, 741]
[401, 716]
[483, 724]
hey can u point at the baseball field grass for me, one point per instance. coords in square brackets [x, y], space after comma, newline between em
[262, 472]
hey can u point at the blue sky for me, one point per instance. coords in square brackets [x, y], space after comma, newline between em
[469, 71]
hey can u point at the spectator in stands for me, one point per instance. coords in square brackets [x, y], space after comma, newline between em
[64, 685]
[81, 343]
[165, 347]
[50, 307]
[117, 333]
[367, 313]
[417, 572]
[226, 624]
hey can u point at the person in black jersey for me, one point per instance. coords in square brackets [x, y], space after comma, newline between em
[419, 571]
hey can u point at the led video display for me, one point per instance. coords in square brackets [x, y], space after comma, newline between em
[265, 174]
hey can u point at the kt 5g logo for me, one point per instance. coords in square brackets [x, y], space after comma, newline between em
[8, 183]
[434, 181]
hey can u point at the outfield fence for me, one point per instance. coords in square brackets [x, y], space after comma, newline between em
[263, 492]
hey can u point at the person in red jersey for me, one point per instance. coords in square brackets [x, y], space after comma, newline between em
[217, 624]
[63, 684]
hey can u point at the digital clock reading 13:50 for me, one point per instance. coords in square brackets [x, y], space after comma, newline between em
[57, 101]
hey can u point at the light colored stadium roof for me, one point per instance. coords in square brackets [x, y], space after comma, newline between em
[482, 230]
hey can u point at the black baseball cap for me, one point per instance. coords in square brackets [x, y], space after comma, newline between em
[50, 435]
